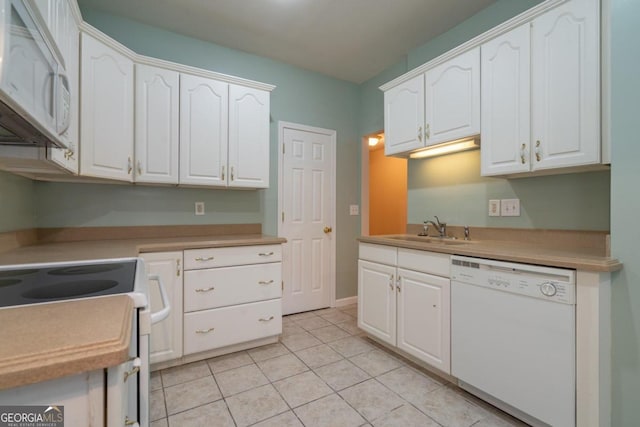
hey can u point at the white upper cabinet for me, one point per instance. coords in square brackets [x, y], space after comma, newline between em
[506, 101]
[248, 137]
[404, 117]
[452, 95]
[156, 125]
[106, 129]
[203, 131]
[565, 58]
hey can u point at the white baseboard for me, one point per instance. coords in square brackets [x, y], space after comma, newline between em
[346, 301]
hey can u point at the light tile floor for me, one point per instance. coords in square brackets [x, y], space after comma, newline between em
[323, 372]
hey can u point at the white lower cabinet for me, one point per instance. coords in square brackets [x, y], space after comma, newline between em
[166, 336]
[404, 301]
[82, 395]
[232, 295]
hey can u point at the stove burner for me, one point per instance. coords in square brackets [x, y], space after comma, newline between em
[70, 289]
[9, 282]
[14, 273]
[84, 269]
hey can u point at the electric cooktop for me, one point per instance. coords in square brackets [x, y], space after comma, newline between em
[56, 282]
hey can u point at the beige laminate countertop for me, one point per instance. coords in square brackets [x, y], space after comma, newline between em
[46, 341]
[103, 249]
[578, 258]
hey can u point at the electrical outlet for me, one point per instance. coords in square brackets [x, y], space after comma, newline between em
[199, 208]
[510, 207]
[354, 210]
[494, 207]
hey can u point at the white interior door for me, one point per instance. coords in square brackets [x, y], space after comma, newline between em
[307, 204]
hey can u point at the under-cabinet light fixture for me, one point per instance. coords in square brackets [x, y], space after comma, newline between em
[447, 147]
[373, 141]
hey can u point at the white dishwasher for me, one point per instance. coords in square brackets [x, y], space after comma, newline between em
[513, 337]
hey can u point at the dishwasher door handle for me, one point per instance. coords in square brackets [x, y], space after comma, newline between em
[162, 314]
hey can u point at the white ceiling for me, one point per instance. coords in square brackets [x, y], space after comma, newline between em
[351, 40]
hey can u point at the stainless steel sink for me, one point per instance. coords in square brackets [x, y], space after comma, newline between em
[430, 240]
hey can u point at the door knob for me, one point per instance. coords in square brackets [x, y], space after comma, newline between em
[328, 230]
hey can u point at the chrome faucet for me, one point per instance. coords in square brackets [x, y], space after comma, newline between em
[440, 226]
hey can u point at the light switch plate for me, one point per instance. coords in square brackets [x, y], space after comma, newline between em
[510, 207]
[199, 208]
[354, 210]
[494, 207]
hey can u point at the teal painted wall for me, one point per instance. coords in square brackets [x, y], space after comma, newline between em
[452, 188]
[17, 203]
[482, 21]
[625, 212]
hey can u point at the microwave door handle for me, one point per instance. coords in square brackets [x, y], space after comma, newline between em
[67, 122]
[160, 315]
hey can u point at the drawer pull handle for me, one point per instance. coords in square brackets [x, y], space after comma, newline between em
[204, 331]
[205, 290]
[265, 253]
[265, 282]
[209, 258]
[266, 320]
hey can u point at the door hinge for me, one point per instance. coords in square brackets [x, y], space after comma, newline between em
[282, 283]
[283, 148]
[282, 216]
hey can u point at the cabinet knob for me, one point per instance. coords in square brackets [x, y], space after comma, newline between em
[204, 331]
[538, 155]
[265, 282]
[391, 282]
[212, 288]
[522, 152]
[129, 166]
[265, 254]
[427, 132]
[139, 168]
[178, 267]
[222, 177]
[262, 319]
[420, 134]
[232, 174]
[209, 258]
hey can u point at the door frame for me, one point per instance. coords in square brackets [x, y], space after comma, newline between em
[332, 134]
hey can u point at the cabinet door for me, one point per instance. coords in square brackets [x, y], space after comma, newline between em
[377, 300]
[68, 39]
[156, 133]
[248, 137]
[106, 130]
[452, 94]
[566, 86]
[166, 336]
[404, 117]
[203, 131]
[506, 101]
[424, 317]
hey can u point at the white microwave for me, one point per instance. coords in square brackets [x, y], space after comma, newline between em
[34, 89]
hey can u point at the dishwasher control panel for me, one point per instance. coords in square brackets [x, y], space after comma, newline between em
[548, 283]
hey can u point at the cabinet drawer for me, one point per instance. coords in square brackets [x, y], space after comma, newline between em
[378, 253]
[235, 255]
[219, 287]
[220, 327]
[426, 262]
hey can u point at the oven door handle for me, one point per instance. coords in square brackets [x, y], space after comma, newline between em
[160, 315]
